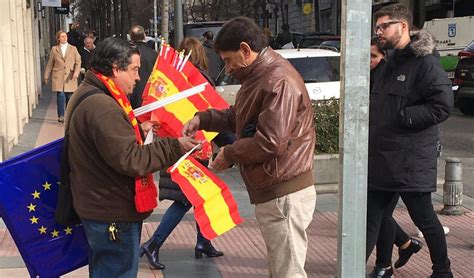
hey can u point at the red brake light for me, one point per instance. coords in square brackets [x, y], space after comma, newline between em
[465, 54]
[457, 81]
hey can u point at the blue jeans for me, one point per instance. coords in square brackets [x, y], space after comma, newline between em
[173, 215]
[62, 101]
[117, 258]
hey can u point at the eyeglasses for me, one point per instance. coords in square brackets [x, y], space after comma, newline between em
[385, 25]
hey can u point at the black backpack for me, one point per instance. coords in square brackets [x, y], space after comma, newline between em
[65, 213]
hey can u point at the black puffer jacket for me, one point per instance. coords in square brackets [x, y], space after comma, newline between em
[411, 95]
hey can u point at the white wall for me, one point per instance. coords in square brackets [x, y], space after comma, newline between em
[18, 71]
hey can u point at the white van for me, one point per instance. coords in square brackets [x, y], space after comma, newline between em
[452, 35]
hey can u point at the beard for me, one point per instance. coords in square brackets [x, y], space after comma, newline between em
[390, 43]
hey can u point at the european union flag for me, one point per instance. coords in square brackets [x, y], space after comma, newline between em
[28, 196]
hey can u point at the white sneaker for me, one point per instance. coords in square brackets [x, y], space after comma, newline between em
[420, 234]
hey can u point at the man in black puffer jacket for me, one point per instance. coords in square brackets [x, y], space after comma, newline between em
[411, 95]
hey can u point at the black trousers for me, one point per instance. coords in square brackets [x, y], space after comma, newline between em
[390, 233]
[423, 215]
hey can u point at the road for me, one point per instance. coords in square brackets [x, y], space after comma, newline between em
[457, 135]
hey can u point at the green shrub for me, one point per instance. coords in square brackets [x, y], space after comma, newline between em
[326, 117]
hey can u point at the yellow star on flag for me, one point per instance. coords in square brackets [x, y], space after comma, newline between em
[36, 195]
[47, 186]
[68, 231]
[55, 233]
[42, 230]
[31, 207]
[34, 220]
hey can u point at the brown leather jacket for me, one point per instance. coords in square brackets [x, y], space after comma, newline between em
[273, 120]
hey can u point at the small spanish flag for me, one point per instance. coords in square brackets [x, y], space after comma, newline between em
[215, 209]
[172, 73]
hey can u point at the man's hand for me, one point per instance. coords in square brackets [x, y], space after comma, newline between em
[191, 127]
[220, 163]
[46, 81]
[75, 75]
[187, 143]
[150, 125]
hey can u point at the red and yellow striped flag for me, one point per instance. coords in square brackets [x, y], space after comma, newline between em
[172, 74]
[215, 209]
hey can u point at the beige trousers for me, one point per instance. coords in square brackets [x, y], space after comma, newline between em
[283, 222]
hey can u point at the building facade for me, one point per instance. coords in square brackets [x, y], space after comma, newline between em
[324, 15]
[25, 41]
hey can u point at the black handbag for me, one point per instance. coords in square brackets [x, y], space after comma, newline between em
[65, 213]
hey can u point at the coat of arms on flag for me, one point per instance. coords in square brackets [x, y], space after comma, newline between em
[174, 73]
[215, 209]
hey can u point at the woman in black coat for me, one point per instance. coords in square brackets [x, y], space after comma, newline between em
[169, 190]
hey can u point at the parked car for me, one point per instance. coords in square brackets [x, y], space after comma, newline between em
[319, 69]
[310, 41]
[464, 81]
[196, 29]
[467, 52]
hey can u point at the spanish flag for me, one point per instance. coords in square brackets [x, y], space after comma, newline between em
[174, 73]
[215, 209]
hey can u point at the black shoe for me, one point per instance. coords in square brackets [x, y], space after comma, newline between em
[152, 252]
[206, 248]
[405, 254]
[61, 119]
[442, 275]
[381, 272]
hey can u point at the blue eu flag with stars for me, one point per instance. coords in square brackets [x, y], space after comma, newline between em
[28, 196]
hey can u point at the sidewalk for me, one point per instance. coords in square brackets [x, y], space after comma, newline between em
[243, 246]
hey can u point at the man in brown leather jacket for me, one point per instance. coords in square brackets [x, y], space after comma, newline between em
[273, 120]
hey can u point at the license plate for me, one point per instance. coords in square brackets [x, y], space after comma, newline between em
[451, 74]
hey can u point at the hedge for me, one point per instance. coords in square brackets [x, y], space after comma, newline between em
[326, 118]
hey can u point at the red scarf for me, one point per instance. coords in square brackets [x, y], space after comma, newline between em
[145, 188]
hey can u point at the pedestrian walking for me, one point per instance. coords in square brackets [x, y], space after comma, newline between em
[410, 96]
[169, 190]
[215, 63]
[86, 53]
[273, 121]
[63, 68]
[148, 58]
[390, 232]
[284, 39]
[111, 170]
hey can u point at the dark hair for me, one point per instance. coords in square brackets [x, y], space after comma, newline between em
[375, 41]
[237, 30]
[396, 11]
[112, 52]
[285, 27]
[198, 54]
[208, 35]
[137, 33]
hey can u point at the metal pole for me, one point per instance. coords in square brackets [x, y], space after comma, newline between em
[178, 22]
[155, 24]
[353, 137]
[453, 187]
[454, 4]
